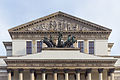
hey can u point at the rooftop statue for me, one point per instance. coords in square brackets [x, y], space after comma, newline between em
[67, 42]
[47, 42]
[60, 44]
[52, 42]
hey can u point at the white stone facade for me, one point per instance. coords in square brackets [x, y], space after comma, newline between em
[18, 65]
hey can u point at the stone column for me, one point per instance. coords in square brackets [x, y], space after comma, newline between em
[77, 74]
[100, 74]
[112, 74]
[32, 75]
[108, 74]
[55, 73]
[20, 74]
[43, 74]
[9, 74]
[89, 74]
[66, 74]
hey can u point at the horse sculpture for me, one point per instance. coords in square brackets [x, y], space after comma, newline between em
[47, 42]
[72, 41]
[66, 42]
[50, 43]
[51, 40]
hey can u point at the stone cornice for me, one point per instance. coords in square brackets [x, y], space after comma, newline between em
[59, 63]
[59, 31]
[78, 34]
[60, 68]
[61, 60]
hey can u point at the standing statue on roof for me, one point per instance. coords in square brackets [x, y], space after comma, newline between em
[60, 44]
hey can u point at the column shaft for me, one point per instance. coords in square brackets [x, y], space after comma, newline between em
[43, 76]
[55, 76]
[89, 76]
[66, 73]
[20, 76]
[32, 76]
[77, 76]
[111, 71]
[108, 78]
[66, 76]
[112, 76]
[100, 76]
[9, 75]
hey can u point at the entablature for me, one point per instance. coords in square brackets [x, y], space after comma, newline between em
[60, 63]
[78, 34]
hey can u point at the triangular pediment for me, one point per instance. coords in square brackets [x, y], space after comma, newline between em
[58, 21]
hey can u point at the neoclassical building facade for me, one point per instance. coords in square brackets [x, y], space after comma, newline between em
[31, 55]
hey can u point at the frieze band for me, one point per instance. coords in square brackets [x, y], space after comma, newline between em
[58, 25]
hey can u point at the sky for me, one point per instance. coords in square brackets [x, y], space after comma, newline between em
[102, 12]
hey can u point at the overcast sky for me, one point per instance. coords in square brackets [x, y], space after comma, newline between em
[102, 12]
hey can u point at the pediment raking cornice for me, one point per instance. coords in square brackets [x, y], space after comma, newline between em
[58, 14]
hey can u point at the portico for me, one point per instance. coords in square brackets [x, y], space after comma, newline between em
[65, 72]
[82, 67]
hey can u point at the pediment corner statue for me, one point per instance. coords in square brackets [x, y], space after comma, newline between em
[60, 44]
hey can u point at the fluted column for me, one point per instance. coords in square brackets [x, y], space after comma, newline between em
[55, 73]
[9, 74]
[20, 74]
[43, 74]
[100, 74]
[77, 74]
[32, 75]
[112, 74]
[66, 74]
[89, 74]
